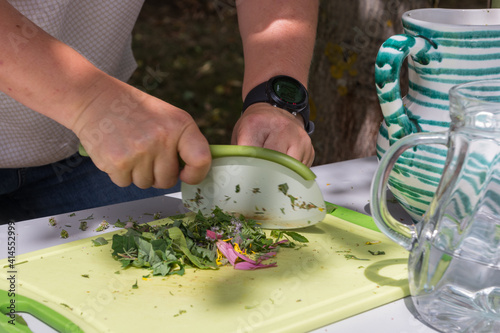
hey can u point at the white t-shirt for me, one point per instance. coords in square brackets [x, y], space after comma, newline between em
[100, 30]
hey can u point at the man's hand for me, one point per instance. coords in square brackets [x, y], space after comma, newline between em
[263, 125]
[136, 138]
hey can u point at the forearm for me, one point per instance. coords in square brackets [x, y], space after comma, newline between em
[278, 39]
[41, 72]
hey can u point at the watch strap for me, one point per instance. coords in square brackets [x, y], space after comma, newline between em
[259, 95]
[256, 95]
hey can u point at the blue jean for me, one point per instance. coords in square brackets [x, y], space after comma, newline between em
[62, 187]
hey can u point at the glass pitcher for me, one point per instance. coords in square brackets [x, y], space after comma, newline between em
[454, 264]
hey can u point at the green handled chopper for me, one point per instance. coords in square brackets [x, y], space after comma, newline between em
[261, 184]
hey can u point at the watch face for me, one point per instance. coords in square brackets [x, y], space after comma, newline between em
[289, 92]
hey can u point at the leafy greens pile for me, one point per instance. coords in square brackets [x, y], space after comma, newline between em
[200, 242]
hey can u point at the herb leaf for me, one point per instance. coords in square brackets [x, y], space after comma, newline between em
[296, 236]
[179, 240]
[99, 241]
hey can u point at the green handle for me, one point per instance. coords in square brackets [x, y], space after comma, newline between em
[34, 308]
[265, 154]
[256, 152]
[390, 58]
[348, 215]
[82, 151]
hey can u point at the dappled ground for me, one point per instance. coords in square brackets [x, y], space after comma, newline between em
[189, 54]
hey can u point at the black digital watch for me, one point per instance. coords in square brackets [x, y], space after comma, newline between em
[283, 92]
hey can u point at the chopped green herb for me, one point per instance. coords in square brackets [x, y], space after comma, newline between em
[180, 312]
[294, 201]
[67, 306]
[102, 226]
[237, 190]
[17, 263]
[330, 208]
[83, 225]
[156, 216]
[91, 217]
[135, 286]
[377, 253]
[351, 256]
[52, 221]
[18, 320]
[120, 224]
[178, 217]
[85, 276]
[280, 234]
[72, 214]
[255, 190]
[283, 188]
[99, 241]
[197, 198]
[64, 234]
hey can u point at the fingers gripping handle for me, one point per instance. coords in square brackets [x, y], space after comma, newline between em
[402, 234]
[387, 79]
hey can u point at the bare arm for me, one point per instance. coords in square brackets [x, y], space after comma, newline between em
[41, 72]
[278, 39]
[132, 136]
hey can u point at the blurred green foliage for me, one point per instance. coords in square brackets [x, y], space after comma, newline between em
[189, 54]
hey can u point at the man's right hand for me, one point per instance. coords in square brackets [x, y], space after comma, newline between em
[137, 138]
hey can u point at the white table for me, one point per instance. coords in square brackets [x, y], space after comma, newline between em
[346, 184]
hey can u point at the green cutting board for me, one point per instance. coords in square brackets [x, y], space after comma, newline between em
[312, 286]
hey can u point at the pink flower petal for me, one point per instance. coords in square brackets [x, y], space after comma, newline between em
[275, 245]
[227, 251]
[245, 258]
[213, 235]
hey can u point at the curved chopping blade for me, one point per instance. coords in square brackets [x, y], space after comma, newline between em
[260, 184]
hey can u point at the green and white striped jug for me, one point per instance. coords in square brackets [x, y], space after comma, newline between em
[443, 47]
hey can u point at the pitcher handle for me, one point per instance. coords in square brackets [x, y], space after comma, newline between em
[401, 233]
[388, 64]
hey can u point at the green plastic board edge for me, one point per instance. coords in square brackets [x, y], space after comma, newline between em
[351, 216]
[41, 312]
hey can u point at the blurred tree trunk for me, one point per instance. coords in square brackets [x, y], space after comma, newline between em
[341, 84]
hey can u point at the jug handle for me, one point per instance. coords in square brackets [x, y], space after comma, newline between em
[403, 234]
[388, 64]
